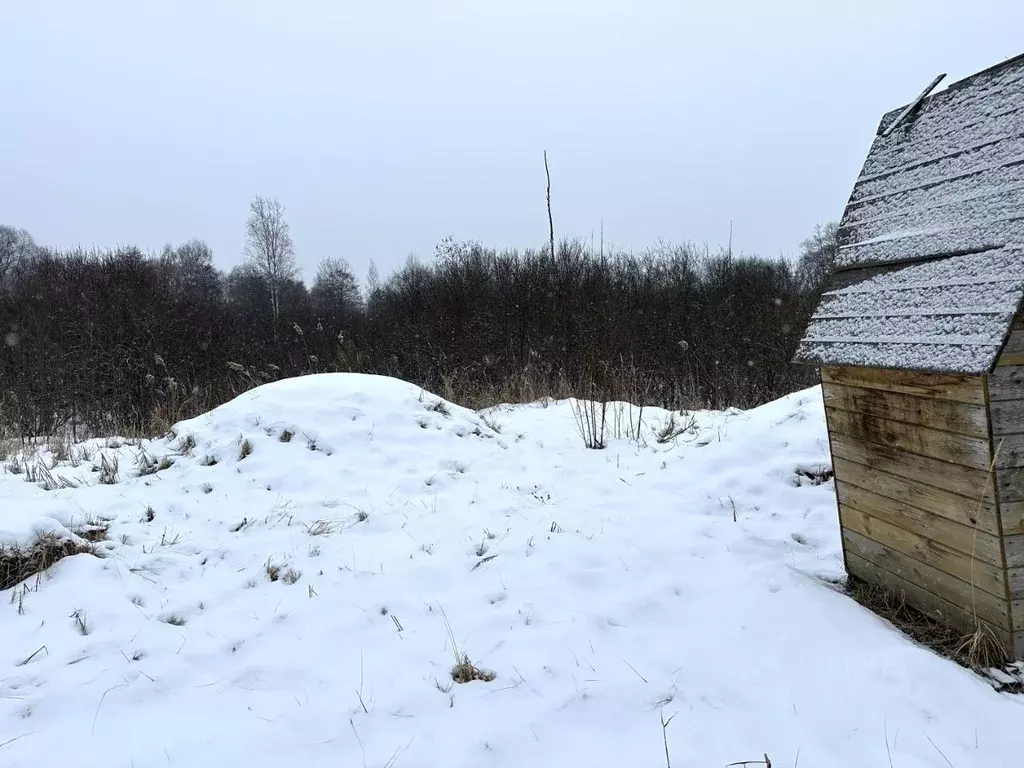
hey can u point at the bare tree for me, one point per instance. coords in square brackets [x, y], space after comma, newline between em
[551, 221]
[269, 249]
[372, 278]
[818, 256]
[15, 245]
[336, 290]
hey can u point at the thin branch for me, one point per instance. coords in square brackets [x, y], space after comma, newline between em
[551, 221]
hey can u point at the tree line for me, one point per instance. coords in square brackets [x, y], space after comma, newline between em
[98, 342]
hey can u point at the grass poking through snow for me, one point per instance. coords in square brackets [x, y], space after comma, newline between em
[18, 564]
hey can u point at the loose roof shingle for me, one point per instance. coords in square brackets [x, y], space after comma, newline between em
[930, 271]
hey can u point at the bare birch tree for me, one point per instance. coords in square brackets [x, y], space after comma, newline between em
[269, 249]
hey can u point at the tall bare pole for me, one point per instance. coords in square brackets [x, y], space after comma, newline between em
[551, 221]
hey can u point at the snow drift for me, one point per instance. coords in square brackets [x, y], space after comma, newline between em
[291, 578]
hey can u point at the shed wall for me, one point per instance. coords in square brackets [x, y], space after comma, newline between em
[912, 455]
[1006, 395]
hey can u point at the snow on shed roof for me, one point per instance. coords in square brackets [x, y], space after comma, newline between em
[930, 271]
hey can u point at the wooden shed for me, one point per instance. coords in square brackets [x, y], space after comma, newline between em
[920, 342]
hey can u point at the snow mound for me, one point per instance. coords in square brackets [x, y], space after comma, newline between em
[292, 577]
[329, 411]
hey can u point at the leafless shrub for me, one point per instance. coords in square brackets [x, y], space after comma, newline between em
[591, 422]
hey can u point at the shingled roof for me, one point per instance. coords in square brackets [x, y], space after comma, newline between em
[930, 271]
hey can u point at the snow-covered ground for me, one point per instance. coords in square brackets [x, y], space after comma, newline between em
[304, 604]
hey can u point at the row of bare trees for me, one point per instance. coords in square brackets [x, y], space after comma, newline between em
[121, 340]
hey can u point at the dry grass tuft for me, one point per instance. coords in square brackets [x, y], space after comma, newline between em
[18, 564]
[492, 423]
[245, 449]
[108, 470]
[816, 475]
[81, 625]
[93, 532]
[672, 428]
[286, 436]
[148, 465]
[978, 651]
[440, 406]
[465, 672]
[320, 528]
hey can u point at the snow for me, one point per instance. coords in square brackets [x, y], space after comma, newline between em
[951, 314]
[984, 108]
[605, 590]
[949, 180]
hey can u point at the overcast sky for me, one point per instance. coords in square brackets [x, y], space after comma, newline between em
[385, 126]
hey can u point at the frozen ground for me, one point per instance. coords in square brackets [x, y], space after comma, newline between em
[302, 605]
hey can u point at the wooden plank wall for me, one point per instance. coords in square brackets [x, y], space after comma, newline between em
[1006, 396]
[912, 454]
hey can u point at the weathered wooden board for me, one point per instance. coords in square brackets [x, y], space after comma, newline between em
[962, 418]
[960, 509]
[1006, 383]
[941, 586]
[1009, 451]
[1010, 481]
[972, 570]
[1012, 514]
[960, 618]
[966, 481]
[1013, 546]
[967, 541]
[957, 387]
[931, 605]
[1010, 358]
[924, 441]
[1007, 417]
[1015, 577]
[1013, 350]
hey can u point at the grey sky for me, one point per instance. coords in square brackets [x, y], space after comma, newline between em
[384, 126]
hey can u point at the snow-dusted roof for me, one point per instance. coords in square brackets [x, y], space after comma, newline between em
[930, 272]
